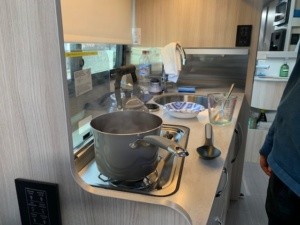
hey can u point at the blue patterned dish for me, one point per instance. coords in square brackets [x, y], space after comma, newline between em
[183, 109]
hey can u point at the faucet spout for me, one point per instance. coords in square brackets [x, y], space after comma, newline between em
[182, 53]
[164, 80]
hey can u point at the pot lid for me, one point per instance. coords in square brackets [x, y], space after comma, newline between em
[134, 103]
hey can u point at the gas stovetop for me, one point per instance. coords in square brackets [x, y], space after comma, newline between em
[163, 181]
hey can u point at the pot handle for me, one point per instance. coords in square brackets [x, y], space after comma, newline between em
[166, 144]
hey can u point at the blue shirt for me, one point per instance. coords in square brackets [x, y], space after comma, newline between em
[282, 143]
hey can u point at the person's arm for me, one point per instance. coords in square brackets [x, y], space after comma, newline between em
[265, 151]
[264, 165]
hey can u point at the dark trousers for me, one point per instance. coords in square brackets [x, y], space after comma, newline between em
[282, 205]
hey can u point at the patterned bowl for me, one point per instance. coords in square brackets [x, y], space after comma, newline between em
[183, 109]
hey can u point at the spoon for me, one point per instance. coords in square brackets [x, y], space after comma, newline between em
[208, 151]
[229, 92]
[221, 111]
[227, 96]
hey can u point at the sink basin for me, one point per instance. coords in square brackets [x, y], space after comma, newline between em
[168, 171]
[167, 98]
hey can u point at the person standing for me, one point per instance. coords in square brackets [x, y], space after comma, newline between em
[280, 156]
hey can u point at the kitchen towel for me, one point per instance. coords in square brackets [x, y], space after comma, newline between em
[171, 58]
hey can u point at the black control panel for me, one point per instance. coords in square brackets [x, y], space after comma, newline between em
[38, 202]
[243, 35]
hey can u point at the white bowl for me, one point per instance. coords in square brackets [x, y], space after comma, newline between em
[183, 109]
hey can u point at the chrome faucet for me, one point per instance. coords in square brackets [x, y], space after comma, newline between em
[164, 80]
[182, 53]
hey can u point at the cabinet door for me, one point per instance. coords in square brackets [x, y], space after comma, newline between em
[97, 21]
[267, 94]
[194, 23]
[222, 199]
[232, 154]
[237, 162]
[221, 202]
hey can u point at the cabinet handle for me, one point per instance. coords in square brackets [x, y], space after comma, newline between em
[239, 134]
[225, 184]
[218, 221]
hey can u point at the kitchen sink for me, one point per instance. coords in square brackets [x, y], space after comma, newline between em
[167, 174]
[167, 98]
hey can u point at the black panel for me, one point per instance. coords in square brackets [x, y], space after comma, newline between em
[278, 40]
[243, 35]
[294, 39]
[38, 202]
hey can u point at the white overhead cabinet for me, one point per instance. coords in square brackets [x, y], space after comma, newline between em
[97, 21]
[267, 93]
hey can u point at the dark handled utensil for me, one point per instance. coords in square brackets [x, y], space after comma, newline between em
[208, 151]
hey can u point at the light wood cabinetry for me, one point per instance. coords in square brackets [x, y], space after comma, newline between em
[195, 23]
[97, 21]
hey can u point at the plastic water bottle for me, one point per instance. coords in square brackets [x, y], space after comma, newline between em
[144, 70]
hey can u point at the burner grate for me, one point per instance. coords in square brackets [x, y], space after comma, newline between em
[148, 182]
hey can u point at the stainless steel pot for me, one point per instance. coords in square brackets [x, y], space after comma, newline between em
[127, 142]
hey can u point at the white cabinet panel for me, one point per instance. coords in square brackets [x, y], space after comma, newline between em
[267, 93]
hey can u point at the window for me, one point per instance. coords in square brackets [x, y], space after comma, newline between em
[98, 57]
[88, 69]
